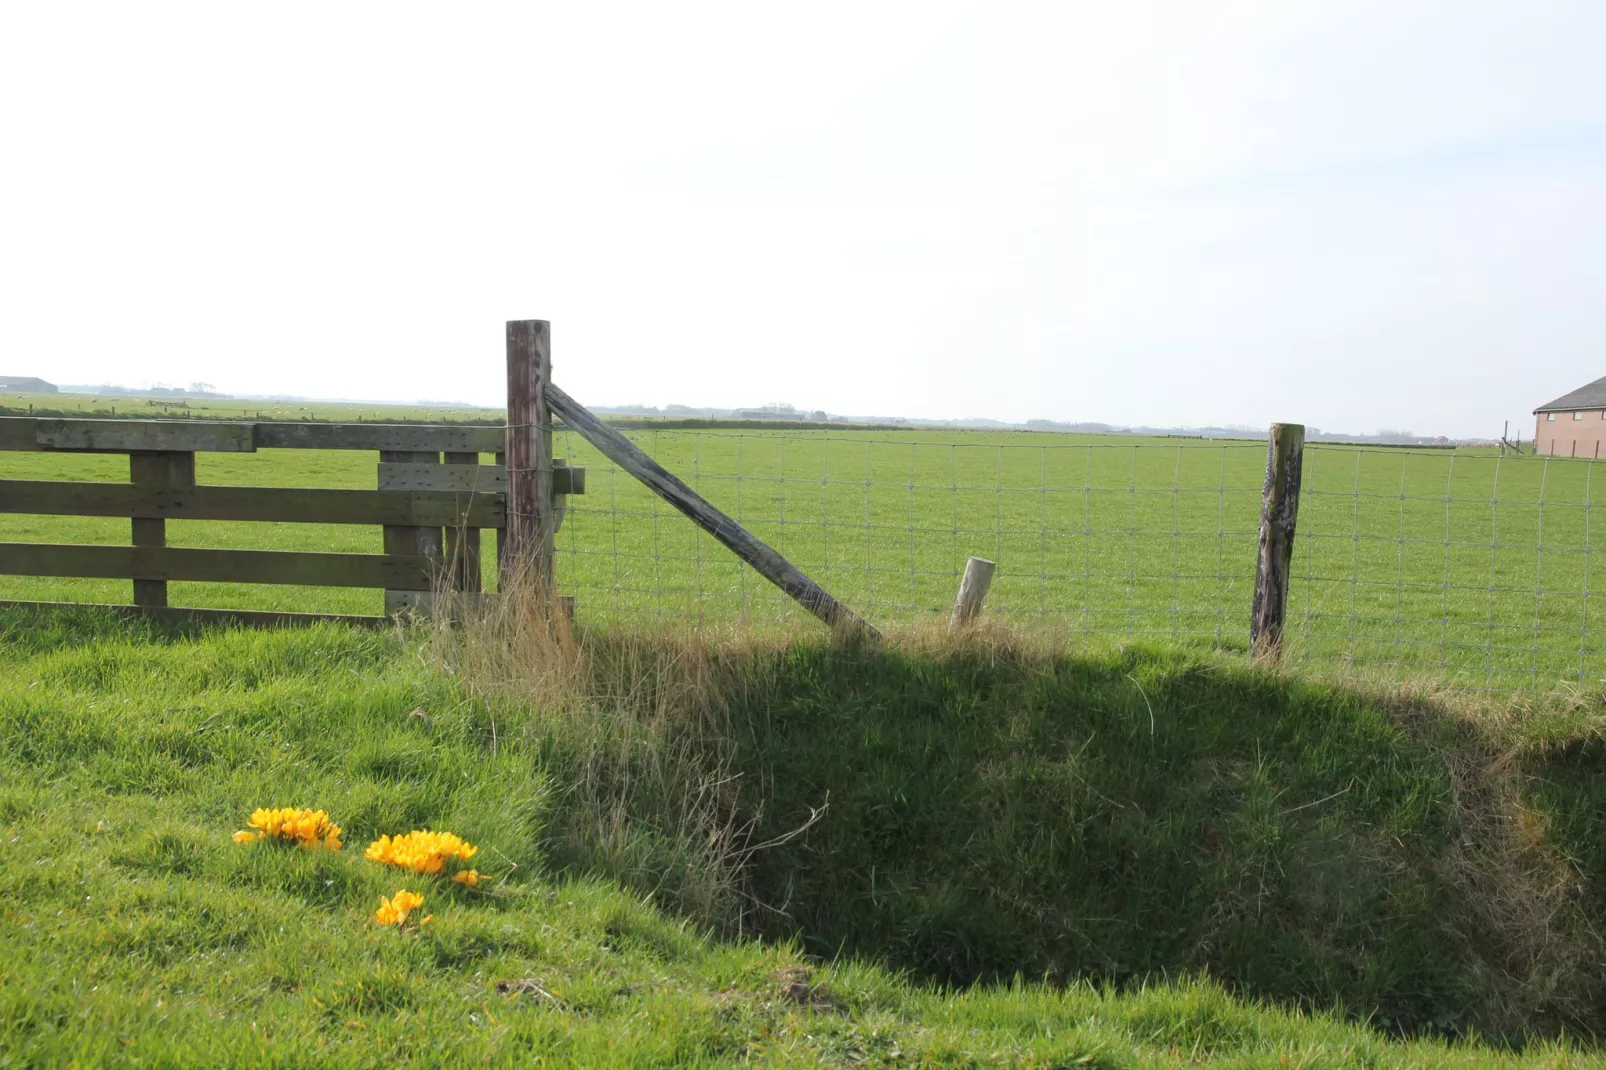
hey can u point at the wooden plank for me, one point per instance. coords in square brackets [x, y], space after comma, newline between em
[471, 476]
[462, 540]
[405, 438]
[398, 571]
[410, 540]
[267, 504]
[19, 433]
[209, 436]
[769, 564]
[163, 471]
[529, 530]
[185, 615]
[450, 477]
[1279, 514]
[501, 538]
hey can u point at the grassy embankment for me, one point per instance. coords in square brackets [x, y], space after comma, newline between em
[982, 811]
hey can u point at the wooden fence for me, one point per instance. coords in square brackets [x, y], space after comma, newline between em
[432, 498]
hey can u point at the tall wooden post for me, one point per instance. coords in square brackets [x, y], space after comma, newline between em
[165, 468]
[1279, 512]
[529, 454]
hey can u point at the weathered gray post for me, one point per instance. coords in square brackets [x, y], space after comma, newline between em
[972, 592]
[1279, 513]
[529, 532]
[407, 539]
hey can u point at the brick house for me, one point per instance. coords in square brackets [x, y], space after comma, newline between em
[1574, 425]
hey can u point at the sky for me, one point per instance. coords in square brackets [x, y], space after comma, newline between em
[1348, 214]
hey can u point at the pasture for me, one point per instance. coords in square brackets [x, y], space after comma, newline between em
[28, 403]
[1463, 567]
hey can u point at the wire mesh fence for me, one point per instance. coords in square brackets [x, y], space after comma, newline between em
[1470, 568]
[1118, 539]
[1465, 567]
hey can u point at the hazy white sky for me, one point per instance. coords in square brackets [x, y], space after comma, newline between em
[1351, 214]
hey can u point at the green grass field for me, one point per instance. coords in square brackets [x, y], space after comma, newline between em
[1459, 566]
[1025, 857]
[24, 403]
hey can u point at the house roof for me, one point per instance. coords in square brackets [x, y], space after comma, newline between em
[1588, 396]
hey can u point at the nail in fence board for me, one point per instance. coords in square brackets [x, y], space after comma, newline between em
[271, 504]
[411, 572]
[163, 471]
[1279, 514]
[769, 564]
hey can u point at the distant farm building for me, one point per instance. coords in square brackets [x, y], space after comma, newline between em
[26, 382]
[1574, 425]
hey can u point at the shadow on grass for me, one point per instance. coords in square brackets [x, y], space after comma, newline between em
[1147, 813]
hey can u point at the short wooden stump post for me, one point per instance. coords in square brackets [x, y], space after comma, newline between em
[972, 592]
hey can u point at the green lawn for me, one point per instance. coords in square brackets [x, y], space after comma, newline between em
[1460, 566]
[1125, 819]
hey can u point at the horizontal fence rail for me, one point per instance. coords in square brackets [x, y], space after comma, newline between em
[430, 514]
[406, 572]
[228, 436]
[269, 504]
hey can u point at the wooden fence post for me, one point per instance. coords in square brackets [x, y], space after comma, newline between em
[409, 540]
[167, 468]
[1279, 512]
[463, 542]
[529, 454]
[972, 591]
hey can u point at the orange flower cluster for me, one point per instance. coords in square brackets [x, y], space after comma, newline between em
[422, 851]
[306, 828]
[394, 911]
